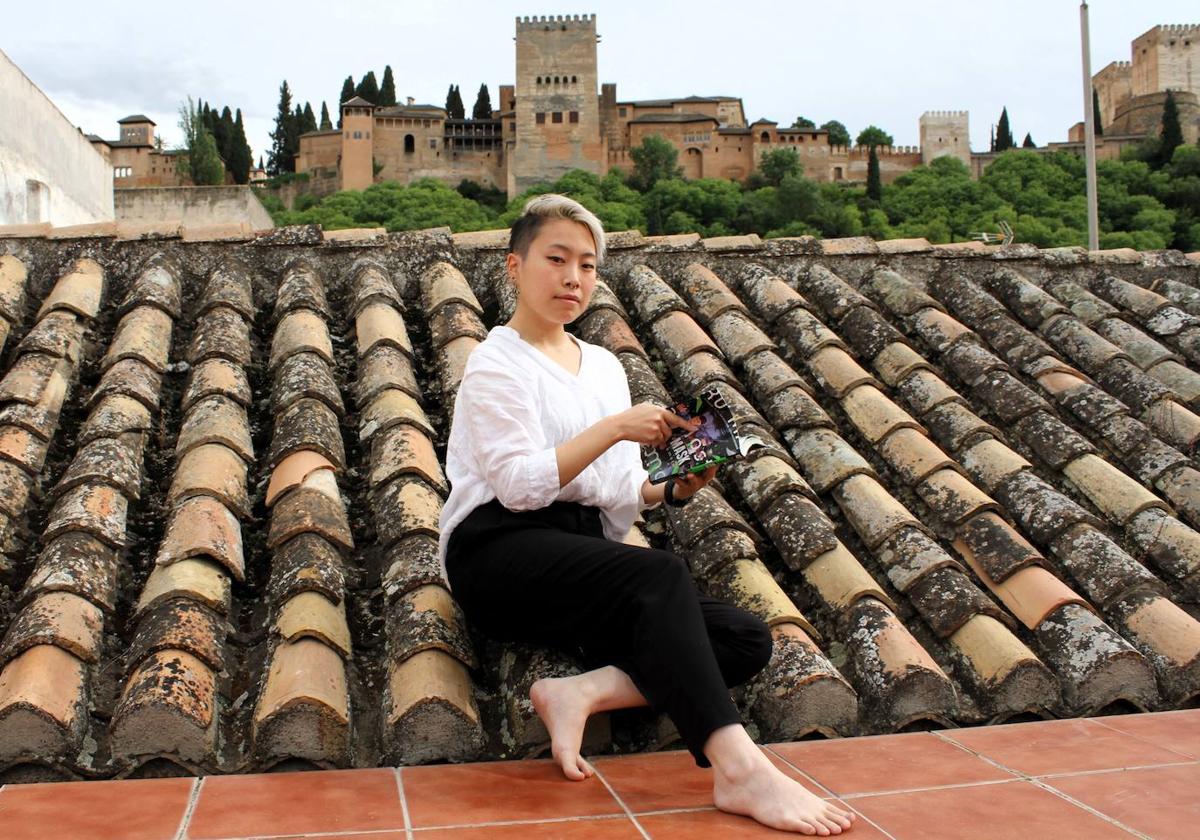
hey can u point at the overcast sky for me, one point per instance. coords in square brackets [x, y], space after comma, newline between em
[862, 63]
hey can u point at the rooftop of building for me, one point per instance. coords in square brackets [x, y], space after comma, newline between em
[665, 103]
[135, 118]
[222, 453]
[673, 118]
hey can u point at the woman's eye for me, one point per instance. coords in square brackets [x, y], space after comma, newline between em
[556, 259]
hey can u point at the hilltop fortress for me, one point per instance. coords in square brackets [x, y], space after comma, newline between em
[557, 116]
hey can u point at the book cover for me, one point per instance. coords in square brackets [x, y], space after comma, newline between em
[715, 441]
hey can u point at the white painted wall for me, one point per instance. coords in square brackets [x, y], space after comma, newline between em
[49, 172]
[192, 206]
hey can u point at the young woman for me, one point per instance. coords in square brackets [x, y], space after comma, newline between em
[546, 479]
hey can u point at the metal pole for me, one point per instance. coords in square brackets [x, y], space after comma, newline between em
[1089, 133]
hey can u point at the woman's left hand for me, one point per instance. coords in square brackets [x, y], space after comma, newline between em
[688, 485]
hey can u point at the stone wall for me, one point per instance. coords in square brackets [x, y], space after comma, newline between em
[49, 172]
[192, 206]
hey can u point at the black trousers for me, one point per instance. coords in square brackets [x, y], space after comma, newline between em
[549, 577]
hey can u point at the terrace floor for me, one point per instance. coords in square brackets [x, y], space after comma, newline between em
[1114, 776]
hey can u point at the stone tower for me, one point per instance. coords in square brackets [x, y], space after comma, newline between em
[357, 165]
[557, 106]
[1167, 58]
[945, 133]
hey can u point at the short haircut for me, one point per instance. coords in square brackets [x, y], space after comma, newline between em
[542, 208]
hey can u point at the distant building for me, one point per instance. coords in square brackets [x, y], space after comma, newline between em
[137, 159]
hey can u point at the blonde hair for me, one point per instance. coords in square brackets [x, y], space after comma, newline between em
[542, 208]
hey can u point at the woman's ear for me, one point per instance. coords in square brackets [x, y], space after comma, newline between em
[512, 266]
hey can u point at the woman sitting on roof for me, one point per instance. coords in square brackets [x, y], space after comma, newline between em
[546, 479]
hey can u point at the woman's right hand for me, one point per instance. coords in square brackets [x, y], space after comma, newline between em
[649, 424]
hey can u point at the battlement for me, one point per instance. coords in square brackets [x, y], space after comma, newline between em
[534, 21]
[943, 114]
[1179, 28]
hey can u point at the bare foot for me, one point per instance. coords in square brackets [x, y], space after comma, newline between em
[564, 706]
[765, 794]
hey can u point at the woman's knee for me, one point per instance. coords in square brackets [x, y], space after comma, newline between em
[747, 650]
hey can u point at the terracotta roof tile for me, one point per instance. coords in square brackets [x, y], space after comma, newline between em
[221, 333]
[170, 699]
[181, 624]
[228, 287]
[836, 371]
[12, 287]
[995, 653]
[56, 618]
[913, 455]
[903, 246]
[952, 498]
[716, 548]
[830, 292]
[23, 448]
[947, 599]
[610, 330]
[431, 692]
[766, 374]
[1117, 495]
[305, 376]
[307, 510]
[132, 379]
[442, 283]
[826, 459]
[292, 470]
[868, 332]
[699, 369]
[92, 508]
[143, 334]
[107, 460]
[307, 424]
[41, 418]
[749, 582]
[312, 615]
[739, 338]
[799, 530]
[427, 618]
[216, 377]
[115, 415]
[388, 409]
[1128, 295]
[841, 580]
[452, 362]
[79, 290]
[371, 284]
[874, 414]
[924, 391]
[769, 295]
[386, 367]
[77, 563]
[763, 479]
[874, 514]
[156, 284]
[58, 333]
[1170, 631]
[806, 333]
[910, 554]
[216, 419]
[707, 293]
[200, 580]
[995, 546]
[379, 323]
[956, 427]
[15, 487]
[652, 298]
[301, 288]
[603, 297]
[1172, 546]
[201, 526]
[939, 330]
[679, 336]
[300, 331]
[897, 362]
[1180, 379]
[42, 702]
[451, 321]
[211, 470]
[307, 563]
[304, 708]
[405, 450]
[28, 378]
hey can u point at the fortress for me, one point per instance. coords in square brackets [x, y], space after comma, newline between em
[557, 117]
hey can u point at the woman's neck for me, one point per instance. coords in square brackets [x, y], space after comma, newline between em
[537, 331]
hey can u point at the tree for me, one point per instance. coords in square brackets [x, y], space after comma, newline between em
[654, 160]
[387, 89]
[1096, 112]
[309, 122]
[240, 158]
[1004, 138]
[326, 125]
[202, 163]
[368, 88]
[873, 136]
[454, 104]
[279, 158]
[803, 122]
[347, 93]
[874, 182]
[483, 104]
[1171, 134]
[778, 164]
[260, 163]
[839, 135]
[1028, 142]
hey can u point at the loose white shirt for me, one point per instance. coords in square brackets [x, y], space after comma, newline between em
[514, 407]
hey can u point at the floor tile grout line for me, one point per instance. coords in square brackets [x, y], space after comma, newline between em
[1144, 740]
[612, 791]
[994, 762]
[193, 799]
[496, 824]
[1084, 806]
[403, 803]
[869, 821]
[798, 770]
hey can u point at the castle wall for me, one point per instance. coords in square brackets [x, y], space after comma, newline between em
[192, 206]
[1167, 57]
[945, 133]
[1114, 87]
[357, 168]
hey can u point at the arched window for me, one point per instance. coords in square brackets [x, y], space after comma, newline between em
[574, 79]
[766, 137]
[556, 80]
[410, 144]
[539, 80]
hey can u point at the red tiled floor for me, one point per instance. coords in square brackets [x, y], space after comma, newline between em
[712, 823]
[1159, 801]
[1060, 746]
[140, 809]
[604, 828]
[296, 803]
[888, 762]
[468, 794]
[1006, 811]
[1175, 731]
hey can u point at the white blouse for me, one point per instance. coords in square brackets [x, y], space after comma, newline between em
[514, 407]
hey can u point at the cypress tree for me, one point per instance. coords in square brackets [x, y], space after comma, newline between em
[1096, 113]
[454, 104]
[223, 134]
[1171, 135]
[368, 88]
[239, 152]
[483, 105]
[347, 93]
[310, 120]
[1004, 138]
[387, 90]
[874, 182]
[326, 125]
[1028, 144]
[278, 159]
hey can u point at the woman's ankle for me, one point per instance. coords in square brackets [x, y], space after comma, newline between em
[733, 754]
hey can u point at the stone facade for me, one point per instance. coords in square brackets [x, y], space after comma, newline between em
[136, 159]
[1132, 93]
